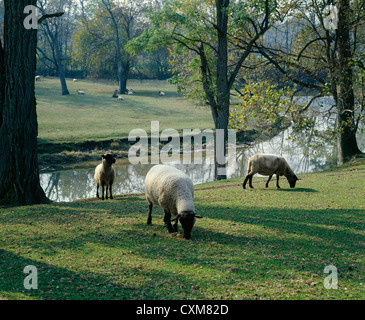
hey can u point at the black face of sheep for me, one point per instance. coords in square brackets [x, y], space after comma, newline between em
[187, 220]
[109, 158]
[292, 181]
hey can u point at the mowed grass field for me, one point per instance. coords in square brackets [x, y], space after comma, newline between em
[97, 117]
[251, 244]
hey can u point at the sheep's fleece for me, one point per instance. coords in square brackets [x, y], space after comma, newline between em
[170, 188]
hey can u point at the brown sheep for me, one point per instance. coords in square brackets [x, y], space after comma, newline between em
[267, 165]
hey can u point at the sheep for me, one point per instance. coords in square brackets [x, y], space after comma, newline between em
[131, 91]
[104, 175]
[74, 80]
[37, 78]
[267, 165]
[115, 94]
[120, 98]
[80, 92]
[173, 191]
[161, 93]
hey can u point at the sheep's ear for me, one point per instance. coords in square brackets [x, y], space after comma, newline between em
[197, 216]
[103, 156]
[176, 218]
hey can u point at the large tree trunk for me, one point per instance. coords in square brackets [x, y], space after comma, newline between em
[346, 142]
[19, 173]
[223, 95]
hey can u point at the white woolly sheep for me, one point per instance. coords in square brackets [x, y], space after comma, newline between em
[80, 92]
[161, 93]
[37, 78]
[267, 165]
[74, 80]
[104, 175]
[173, 191]
[120, 98]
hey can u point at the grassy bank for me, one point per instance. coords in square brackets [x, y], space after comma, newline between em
[251, 244]
[77, 128]
[87, 124]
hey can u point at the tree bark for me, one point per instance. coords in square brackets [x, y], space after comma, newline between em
[61, 71]
[19, 173]
[346, 141]
[223, 95]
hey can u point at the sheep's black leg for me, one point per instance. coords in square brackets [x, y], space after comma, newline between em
[149, 219]
[175, 225]
[97, 191]
[277, 182]
[167, 220]
[245, 182]
[250, 182]
[110, 191]
[106, 192]
[267, 183]
[102, 192]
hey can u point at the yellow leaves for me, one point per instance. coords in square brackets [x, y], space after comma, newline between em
[262, 102]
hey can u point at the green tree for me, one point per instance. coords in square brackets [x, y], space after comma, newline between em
[209, 42]
[325, 57]
[103, 32]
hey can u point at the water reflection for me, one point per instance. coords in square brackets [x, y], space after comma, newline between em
[73, 183]
[76, 183]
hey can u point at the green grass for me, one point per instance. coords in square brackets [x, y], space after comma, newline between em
[251, 244]
[98, 117]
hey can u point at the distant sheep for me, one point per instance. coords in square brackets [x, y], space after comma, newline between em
[37, 78]
[268, 165]
[120, 98]
[74, 80]
[80, 92]
[131, 91]
[104, 175]
[173, 191]
[161, 93]
[115, 94]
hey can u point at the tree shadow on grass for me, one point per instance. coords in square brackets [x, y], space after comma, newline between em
[58, 283]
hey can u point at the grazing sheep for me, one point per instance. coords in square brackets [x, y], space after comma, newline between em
[131, 91]
[161, 93]
[80, 92]
[173, 191]
[37, 78]
[74, 80]
[105, 175]
[267, 165]
[115, 94]
[120, 98]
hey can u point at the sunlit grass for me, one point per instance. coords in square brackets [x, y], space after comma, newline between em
[251, 244]
[96, 116]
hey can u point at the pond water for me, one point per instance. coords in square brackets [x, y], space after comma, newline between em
[73, 182]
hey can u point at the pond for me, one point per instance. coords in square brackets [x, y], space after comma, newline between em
[76, 181]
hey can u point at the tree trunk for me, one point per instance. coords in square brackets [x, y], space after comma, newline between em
[346, 141]
[223, 95]
[19, 173]
[61, 71]
[124, 76]
[122, 87]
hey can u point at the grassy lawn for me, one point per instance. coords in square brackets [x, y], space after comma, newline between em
[251, 244]
[98, 117]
